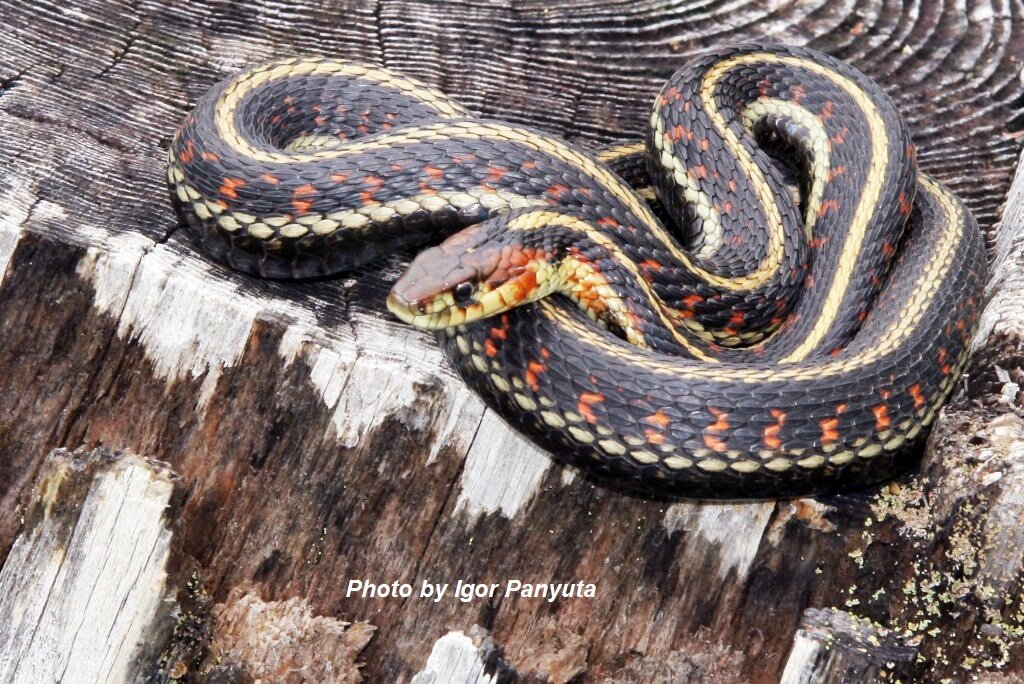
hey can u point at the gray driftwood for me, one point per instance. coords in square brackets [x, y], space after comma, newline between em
[293, 437]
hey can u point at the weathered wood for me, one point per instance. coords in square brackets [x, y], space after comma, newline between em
[83, 592]
[317, 441]
[458, 657]
[284, 641]
[833, 646]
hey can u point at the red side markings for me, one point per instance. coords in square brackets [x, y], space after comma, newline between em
[771, 433]
[188, 154]
[586, 403]
[228, 187]
[374, 184]
[881, 412]
[301, 198]
[917, 395]
[533, 370]
[713, 431]
[829, 430]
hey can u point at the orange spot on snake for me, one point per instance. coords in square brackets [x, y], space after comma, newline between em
[299, 201]
[829, 430]
[827, 206]
[918, 396]
[771, 433]
[534, 369]
[654, 437]
[188, 154]
[678, 132]
[229, 186]
[586, 403]
[721, 423]
[375, 183]
[881, 417]
[714, 444]
[657, 419]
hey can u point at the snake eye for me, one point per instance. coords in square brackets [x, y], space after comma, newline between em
[463, 294]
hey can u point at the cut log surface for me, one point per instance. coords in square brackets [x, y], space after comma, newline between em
[315, 441]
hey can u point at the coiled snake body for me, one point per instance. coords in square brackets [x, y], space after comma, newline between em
[760, 346]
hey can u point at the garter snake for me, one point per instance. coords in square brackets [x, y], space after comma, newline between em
[752, 346]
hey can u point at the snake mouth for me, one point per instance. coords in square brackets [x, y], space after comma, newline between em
[406, 311]
[430, 314]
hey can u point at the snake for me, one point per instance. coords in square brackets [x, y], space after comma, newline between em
[762, 298]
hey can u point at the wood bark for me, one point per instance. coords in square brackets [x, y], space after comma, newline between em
[310, 440]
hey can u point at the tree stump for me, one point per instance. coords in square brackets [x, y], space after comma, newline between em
[262, 445]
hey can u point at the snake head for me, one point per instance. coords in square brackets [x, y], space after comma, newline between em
[480, 271]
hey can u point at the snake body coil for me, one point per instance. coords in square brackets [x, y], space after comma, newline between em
[769, 347]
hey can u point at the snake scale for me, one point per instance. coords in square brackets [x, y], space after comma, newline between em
[763, 298]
